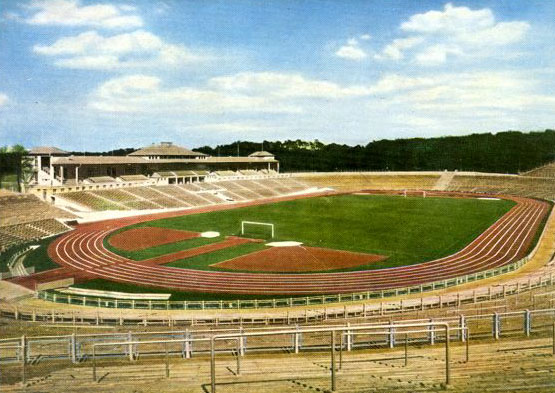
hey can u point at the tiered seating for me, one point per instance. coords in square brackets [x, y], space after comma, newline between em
[184, 195]
[154, 197]
[259, 188]
[294, 185]
[249, 172]
[92, 201]
[513, 185]
[18, 208]
[191, 196]
[11, 235]
[516, 365]
[208, 186]
[175, 192]
[543, 171]
[7, 239]
[26, 217]
[376, 181]
[226, 173]
[239, 189]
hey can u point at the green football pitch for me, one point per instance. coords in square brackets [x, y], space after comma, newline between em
[406, 230]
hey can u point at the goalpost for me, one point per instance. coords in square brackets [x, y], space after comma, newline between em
[256, 223]
[416, 191]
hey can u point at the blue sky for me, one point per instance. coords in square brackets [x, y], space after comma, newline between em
[96, 75]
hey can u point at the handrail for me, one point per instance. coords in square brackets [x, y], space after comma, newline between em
[331, 330]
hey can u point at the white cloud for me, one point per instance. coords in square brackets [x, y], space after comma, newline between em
[447, 103]
[352, 50]
[90, 50]
[3, 99]
[231, 127]
[244, 92]
[436, 54]
[142, 93]
[451, 19]
[73, 13]
[459, 93]
[284, 85]
[365, 37]
[503, 33]
[395, 50]
[453, 32]
[395, 83]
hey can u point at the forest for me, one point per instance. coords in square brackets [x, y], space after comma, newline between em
[503, 152]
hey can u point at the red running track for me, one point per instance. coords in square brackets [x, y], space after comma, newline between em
[83, 255]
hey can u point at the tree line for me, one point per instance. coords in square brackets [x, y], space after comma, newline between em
[503, 152]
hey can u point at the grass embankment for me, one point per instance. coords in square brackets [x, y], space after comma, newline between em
[38, 258]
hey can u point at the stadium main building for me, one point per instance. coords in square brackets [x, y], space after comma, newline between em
[164, 163]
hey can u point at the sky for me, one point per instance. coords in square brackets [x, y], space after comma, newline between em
[99, 75]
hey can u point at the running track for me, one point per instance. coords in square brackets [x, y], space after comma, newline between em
[83, 256]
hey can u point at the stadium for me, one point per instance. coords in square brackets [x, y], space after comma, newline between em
[183, 259]
[266, 196]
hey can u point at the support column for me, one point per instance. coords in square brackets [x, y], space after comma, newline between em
[496, 326]
[349, 338]
[527, 323]
[297, 340]
[38, 164]
[130, 346]
[242, 343]
[187, 345]
[391, 336]
[462, 326]
[73, 348]
[431, 333]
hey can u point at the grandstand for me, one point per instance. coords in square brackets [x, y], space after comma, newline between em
[508, 318]
[25, 217]
[543, 188]
[352, 181]
[547, 170]
[181, 195]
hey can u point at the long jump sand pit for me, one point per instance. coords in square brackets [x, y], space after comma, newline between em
[145, 237]
[298, 259]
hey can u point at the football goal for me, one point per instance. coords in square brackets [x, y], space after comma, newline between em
[257, 229]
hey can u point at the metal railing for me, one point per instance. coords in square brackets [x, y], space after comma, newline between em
[76, 347]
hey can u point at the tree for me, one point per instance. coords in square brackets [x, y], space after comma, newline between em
[14, 161]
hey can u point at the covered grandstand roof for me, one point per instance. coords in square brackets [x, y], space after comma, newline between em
[101, 179]
[47, 151]
[179, 173]
[166, 149]
[98, 160]
[133, 177]
[261, 154]
[216, 160]
[112, 160]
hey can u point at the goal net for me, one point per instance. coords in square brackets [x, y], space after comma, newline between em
[256, 229]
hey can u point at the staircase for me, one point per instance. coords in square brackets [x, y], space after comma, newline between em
[444, 181]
